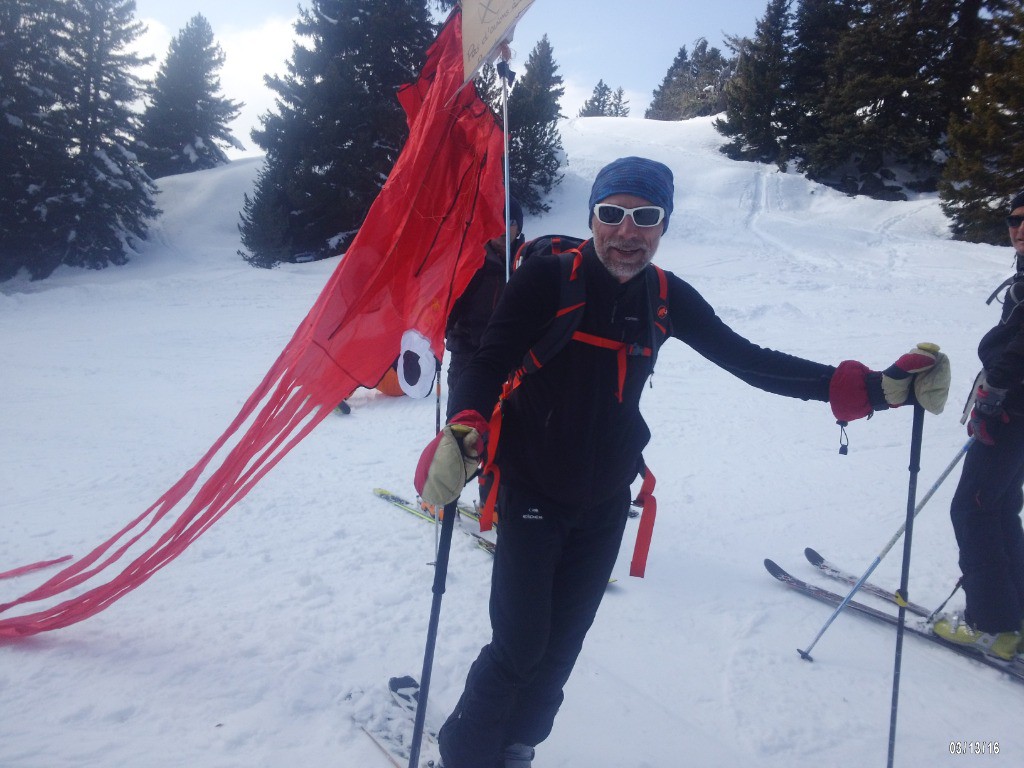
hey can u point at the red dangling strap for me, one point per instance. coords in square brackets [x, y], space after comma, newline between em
[645, 532]
[490, 466]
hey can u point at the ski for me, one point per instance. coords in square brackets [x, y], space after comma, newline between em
[413, 509]
[1015, 669]
[393, 736]
[383, 746]
[405, 691]
[834, 572]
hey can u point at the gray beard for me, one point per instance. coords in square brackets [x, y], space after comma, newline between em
[621, 271]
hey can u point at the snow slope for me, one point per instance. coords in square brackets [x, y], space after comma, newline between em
[263, 642]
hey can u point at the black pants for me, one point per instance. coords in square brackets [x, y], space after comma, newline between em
[986, 520]
[551, 569]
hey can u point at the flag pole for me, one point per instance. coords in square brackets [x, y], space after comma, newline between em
[507, 76]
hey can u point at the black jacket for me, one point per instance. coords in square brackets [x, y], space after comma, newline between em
[473, 309]
[1002, 349]
[564, 431]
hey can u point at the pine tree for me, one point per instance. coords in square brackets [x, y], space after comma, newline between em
[599, 102]
[883, 112]
[265, 217]
[986, 167]
[817, 28]
[693, 85]
[184, 128]
[873, 88]
[754, 95]
[100, 206]
[33, 157]
[535, 145]
[619, 105]
[710, 71]
[603, 102]
[665, 100]
[488, 87]
[338, 128]
[957, 70]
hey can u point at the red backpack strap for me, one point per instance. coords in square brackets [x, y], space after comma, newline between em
[660, 321]
[490, 466]
[623, 352]
[646, 501]
[571, 303]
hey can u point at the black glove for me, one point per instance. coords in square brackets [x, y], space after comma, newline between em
[988, 413]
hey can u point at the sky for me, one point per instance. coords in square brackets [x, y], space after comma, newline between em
[627, 45]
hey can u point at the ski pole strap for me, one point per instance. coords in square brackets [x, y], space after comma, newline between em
[649, 505]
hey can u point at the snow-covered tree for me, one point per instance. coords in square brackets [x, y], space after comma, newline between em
[338, 127]
[78, 195]
[986, 167]
[107, 199]
[33, 155]
[755, 94]
[185, 126]
[693, 85]
[535, 145]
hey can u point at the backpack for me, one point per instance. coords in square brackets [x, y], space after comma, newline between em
[572, 304]
[562, 329]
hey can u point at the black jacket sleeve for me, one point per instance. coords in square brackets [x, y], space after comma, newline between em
[694, 321]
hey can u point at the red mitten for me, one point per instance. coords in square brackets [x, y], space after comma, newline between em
[857, 391]
[848, 391]
[451, 458]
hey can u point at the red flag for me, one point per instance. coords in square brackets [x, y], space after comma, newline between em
[418, 248]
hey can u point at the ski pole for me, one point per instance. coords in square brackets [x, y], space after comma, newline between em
[806, 655]
[451, 511]
[437, 428]
[915, 467]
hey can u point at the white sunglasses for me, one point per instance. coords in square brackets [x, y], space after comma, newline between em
[642, 216]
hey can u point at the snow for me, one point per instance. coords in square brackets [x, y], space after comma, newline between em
[263, 641]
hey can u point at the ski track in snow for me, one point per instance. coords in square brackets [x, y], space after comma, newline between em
[272, 637]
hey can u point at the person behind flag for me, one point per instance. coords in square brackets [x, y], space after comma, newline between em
[570, 445]
[473, 309]
[988, 500]
[471, 313]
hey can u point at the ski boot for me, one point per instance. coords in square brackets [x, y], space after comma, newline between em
[1003, 645]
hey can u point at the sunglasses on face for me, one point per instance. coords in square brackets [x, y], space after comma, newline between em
[1014, 221]
[643, 216]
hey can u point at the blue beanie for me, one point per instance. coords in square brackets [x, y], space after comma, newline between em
[638, 176]
[1017, 202]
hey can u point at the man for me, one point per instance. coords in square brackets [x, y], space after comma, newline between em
[473, 310]
[987, 503]
[570, 445]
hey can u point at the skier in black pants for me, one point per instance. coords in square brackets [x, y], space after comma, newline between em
[987, 504]
[570, 445]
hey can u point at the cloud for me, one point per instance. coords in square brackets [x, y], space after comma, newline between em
[249, 54]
